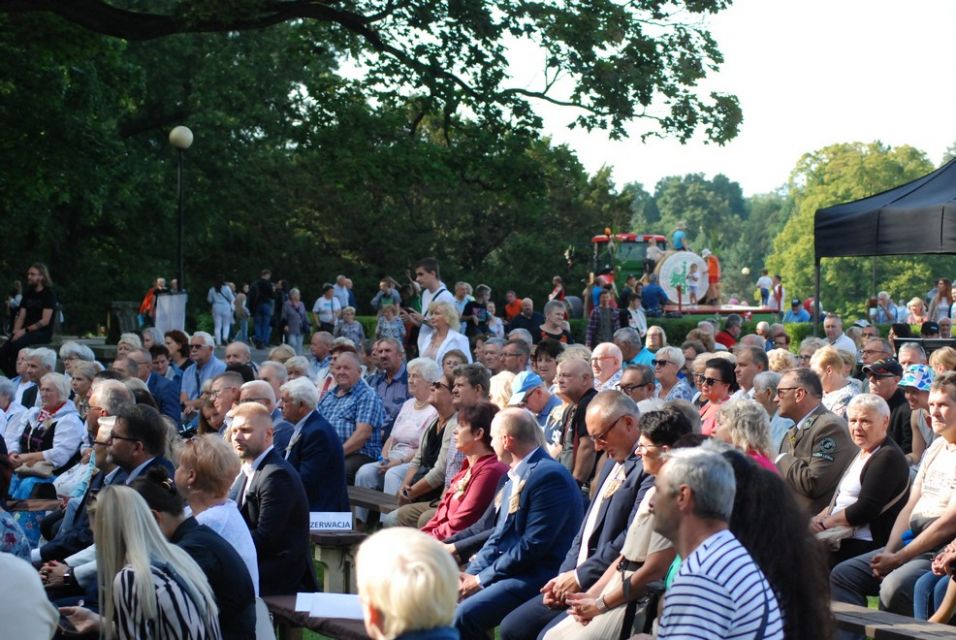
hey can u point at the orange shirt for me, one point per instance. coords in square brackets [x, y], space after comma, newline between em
[512, 309]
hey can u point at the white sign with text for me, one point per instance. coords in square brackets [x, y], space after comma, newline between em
[330, 521]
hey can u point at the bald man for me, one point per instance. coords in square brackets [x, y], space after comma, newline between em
[606, 362]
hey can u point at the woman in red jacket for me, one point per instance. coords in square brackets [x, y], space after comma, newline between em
[472, 489]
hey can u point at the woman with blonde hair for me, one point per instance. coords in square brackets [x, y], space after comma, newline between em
[917, 311]
[81, 381]
[408, 586]
[499, 389]
[444, 335]
[828, 364]
[943, 360]
[148, 588]
[744, 424]
[781, 360]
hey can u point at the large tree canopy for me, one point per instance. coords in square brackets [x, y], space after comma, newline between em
[613, 62]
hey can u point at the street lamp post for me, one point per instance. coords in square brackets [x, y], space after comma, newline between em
[181, 138]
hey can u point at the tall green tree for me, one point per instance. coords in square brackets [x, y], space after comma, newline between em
[616, 62]
[842, 173]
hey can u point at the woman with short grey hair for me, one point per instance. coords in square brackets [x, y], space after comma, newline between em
[72, 352]
[667, 363]
[744, 424]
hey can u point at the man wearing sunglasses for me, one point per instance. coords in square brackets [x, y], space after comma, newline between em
[817, 449]
[205, 366]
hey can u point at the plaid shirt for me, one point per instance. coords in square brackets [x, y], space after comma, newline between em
[360, 404]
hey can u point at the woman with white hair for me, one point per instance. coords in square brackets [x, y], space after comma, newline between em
[128, 342]
[148, 588]
[744, 424]
[667, 363]
[73, 352]
[401, 446]
[443, 336]
[49, 437]
[873, 489]
[408, 586]
[348, 327]
[151, 337]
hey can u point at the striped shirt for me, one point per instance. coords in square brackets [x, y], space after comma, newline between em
[720, 592]
[178, 617]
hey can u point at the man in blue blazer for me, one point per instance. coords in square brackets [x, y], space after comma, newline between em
[539, 515]
[613, 423]
[163, 391]
[272, 501]
[314, 450]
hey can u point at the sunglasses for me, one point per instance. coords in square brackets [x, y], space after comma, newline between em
[710, 381]
[196, 346]
[660, 363]
[440, 385]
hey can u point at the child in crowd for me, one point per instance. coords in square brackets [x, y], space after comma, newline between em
[693, 282]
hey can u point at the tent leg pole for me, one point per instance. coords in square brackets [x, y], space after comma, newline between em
[816, 299]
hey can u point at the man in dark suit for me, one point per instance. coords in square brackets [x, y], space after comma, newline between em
[613, 423]
[817, 449]
[273, 503]
[539, 515]
[315, 450]
[163, 391]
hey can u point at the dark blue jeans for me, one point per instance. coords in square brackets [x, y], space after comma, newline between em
[263, 319]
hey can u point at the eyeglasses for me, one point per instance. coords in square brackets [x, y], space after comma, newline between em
[602, 437]
[441, 385]
[628, 388]
[807, 358]
[599, 358]
[196, 346]
[661, 363]
[113, 436]
[646, 447]
[780, 389]
[710, 381]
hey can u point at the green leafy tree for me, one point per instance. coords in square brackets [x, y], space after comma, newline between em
[842, 173]
[612, 62]
[712, 209]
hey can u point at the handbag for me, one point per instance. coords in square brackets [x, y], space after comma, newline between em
[39, 469]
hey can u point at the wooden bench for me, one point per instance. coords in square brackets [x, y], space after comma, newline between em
[883, 625]
[33, 505]
[372, 500]
[335, 550]
[289, 622]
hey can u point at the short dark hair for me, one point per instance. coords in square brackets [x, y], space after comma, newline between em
[665, 426]
[158, 350]
[159, 491]
[429, 264]
[549, 347]
[647, 374]
[808, 380]
[476, 375]
[726, 369]
[479, 416]
[733, 320]
[757, 354]
[144, 423]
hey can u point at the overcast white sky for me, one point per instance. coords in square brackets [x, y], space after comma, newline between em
[808, 73]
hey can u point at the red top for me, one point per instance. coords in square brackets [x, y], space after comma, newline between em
[512, 309]
[468, 495]
[726, 339]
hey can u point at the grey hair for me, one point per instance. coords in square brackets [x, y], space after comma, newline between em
[629, 336]
[131, 339]
[300, 365]
[156, 334]
[552, 305]
[7, 388]
[749, 424]
[708, 475]
[496, 341]
[766, 380]
[47, 357]
[812, 343]
[76, 350]
[674, 354]
[521, 334]
[869, 401]
[113, 396]
[302, 390]
[426, 368]
[913, 346]
[60, 381]
[278, 367]
[207, 339]
[395, 343]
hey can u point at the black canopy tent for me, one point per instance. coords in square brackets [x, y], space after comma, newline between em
[914, 218]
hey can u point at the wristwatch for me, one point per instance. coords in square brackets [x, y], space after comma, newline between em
[69, 580]
[599, 603]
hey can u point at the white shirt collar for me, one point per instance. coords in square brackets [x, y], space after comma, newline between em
[250, 468]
